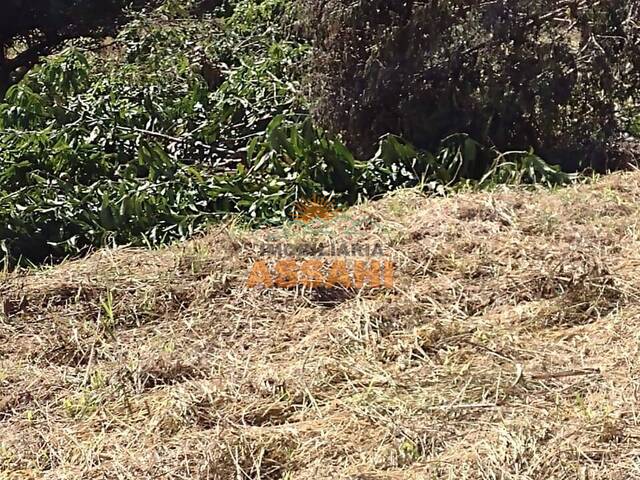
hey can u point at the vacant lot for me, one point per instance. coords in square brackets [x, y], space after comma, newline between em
[507, 349]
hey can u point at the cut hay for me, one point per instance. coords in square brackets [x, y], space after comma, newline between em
[507, 349]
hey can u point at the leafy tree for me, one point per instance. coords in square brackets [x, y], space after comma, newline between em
[561, 77]
[30, 29]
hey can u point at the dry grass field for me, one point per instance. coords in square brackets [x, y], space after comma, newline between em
[507, 349]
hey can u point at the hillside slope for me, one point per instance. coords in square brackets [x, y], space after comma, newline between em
[508, 348]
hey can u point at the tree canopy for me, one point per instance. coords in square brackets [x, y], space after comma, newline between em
[30, 29]
[558, 77]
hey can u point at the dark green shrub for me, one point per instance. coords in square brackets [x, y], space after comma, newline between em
[515, 74]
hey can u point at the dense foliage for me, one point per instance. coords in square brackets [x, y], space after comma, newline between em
[188, 116]
[561, 77]
[30, 29]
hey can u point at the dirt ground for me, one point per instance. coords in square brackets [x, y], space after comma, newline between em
[507, 348]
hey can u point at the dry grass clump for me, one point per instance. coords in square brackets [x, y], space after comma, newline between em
[506, 349]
